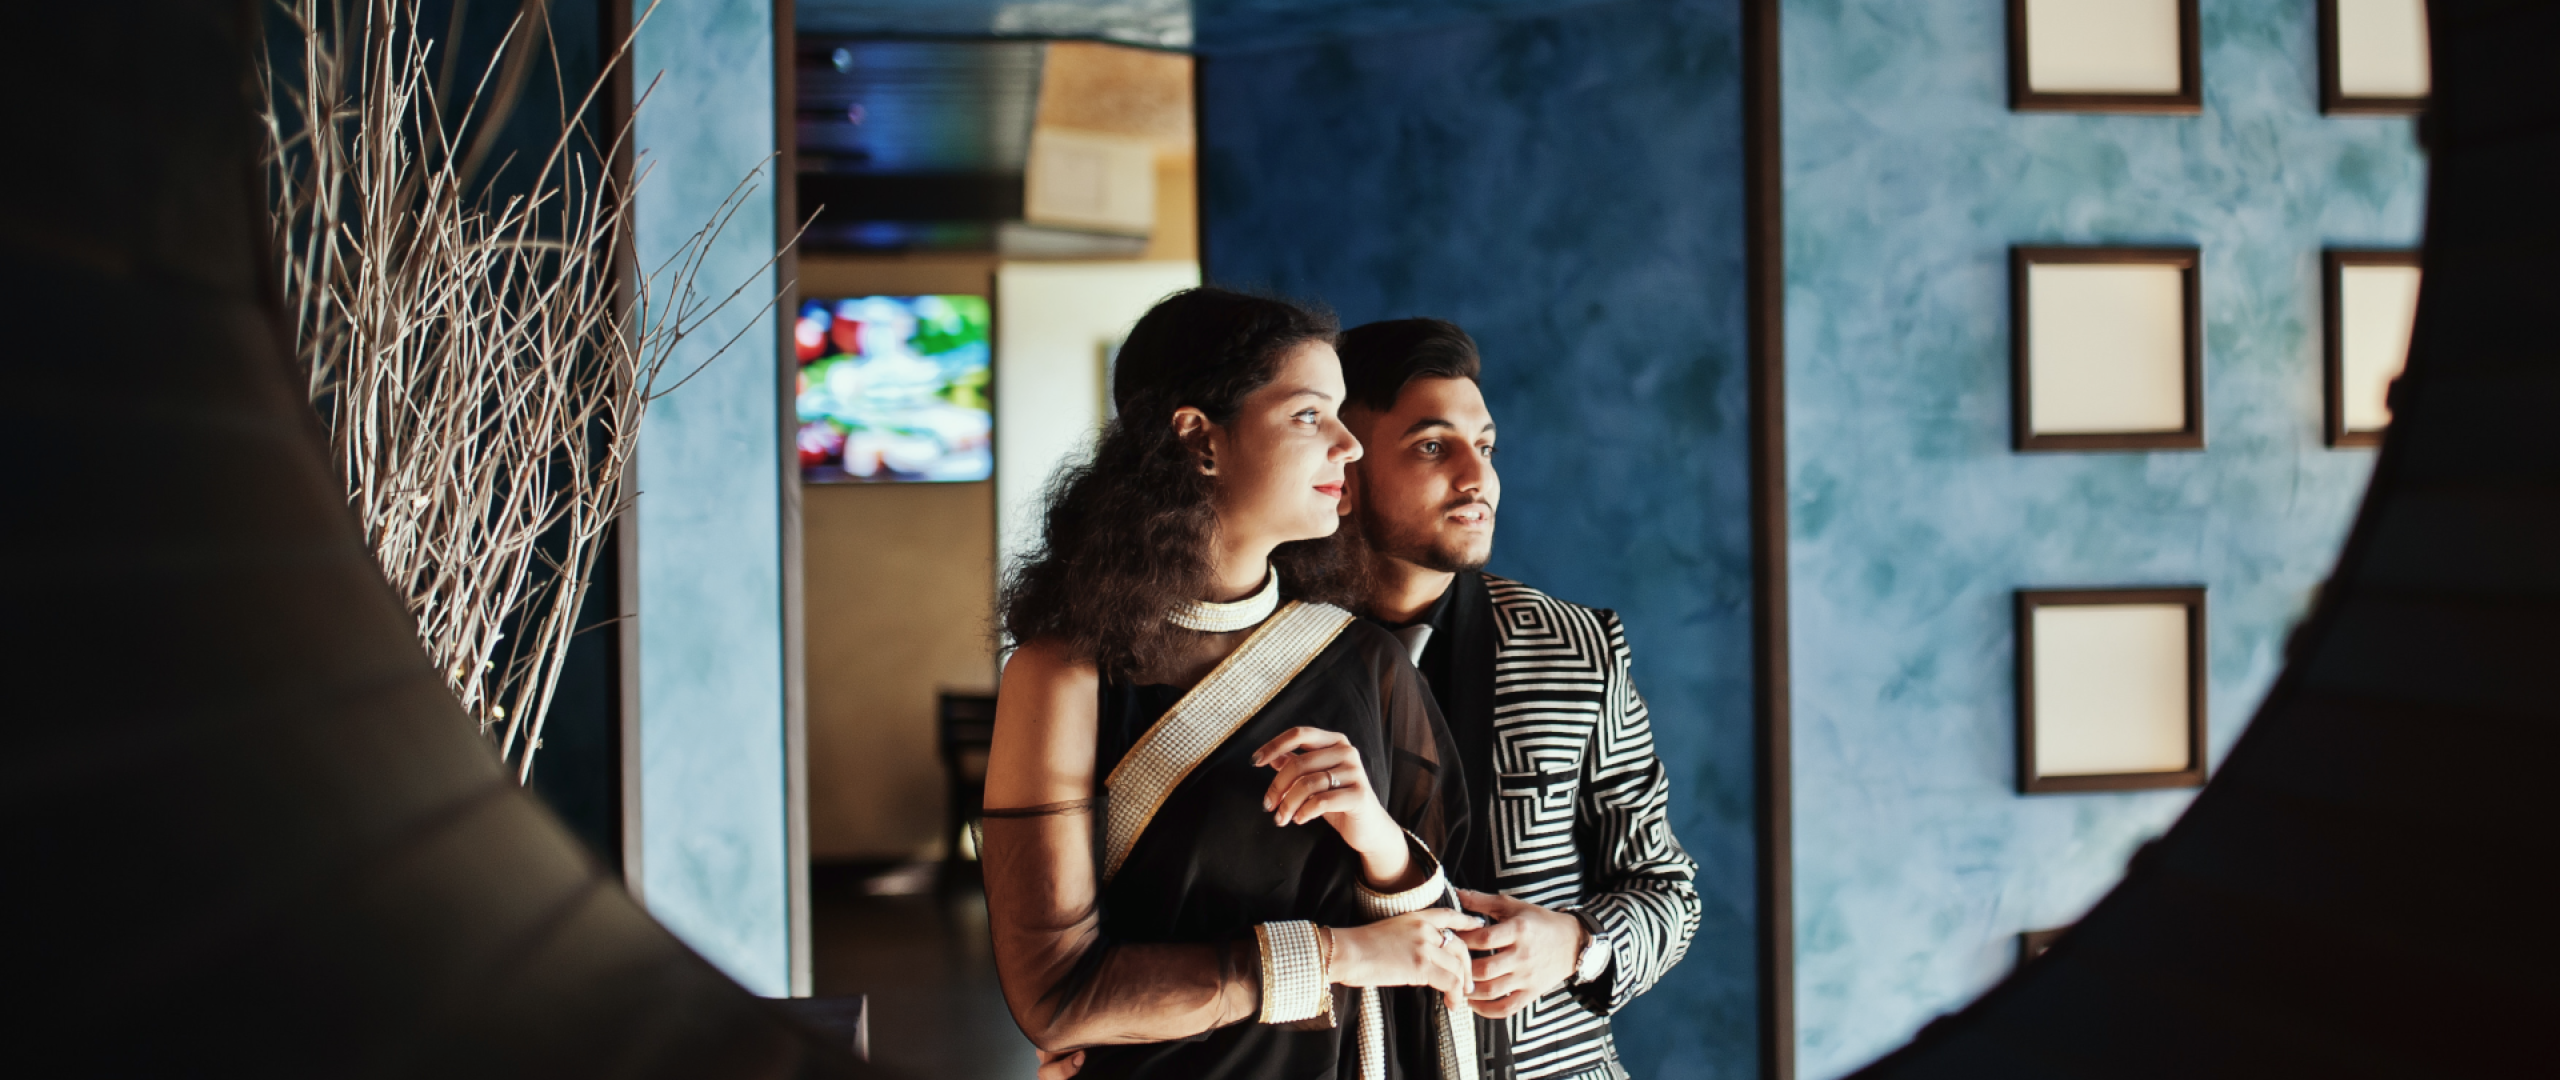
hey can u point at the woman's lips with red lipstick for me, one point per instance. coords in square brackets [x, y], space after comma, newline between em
[1331, 491]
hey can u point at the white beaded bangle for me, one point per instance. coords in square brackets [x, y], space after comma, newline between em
[1293, 982]
[1377, 905]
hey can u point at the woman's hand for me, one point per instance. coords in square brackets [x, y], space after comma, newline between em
[1416, 949]
[1061, 1065]
[1320, 775]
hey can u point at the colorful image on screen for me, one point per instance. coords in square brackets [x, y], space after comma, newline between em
[894, 388]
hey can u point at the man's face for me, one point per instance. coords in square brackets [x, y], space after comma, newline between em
[1426, 490]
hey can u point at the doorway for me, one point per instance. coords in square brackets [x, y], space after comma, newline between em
[990, 217]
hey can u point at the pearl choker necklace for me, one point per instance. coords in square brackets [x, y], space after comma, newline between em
[1227, 618]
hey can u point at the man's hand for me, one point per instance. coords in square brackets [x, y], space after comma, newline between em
[1533, 949]
[1060, 1065]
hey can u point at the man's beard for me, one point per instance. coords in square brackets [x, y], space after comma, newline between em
[1423, 547]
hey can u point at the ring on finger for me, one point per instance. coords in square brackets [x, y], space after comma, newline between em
[1331, 781]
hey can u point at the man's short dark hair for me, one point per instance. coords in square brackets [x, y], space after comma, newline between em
[1379, 358]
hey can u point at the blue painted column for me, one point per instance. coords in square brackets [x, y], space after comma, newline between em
[715, 849]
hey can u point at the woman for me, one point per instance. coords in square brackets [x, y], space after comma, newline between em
[1209, 813]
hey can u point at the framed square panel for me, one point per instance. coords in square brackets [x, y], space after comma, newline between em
[2370, 303]
[2133, 56]
[2106, 349]
[2373, 57]
[2111, 692]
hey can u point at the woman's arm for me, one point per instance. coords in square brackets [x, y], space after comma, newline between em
[1066, 985]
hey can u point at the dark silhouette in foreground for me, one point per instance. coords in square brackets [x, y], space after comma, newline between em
[248, 830]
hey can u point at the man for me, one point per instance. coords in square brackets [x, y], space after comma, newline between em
[1590, 897]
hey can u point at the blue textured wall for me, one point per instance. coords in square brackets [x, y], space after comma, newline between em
[1906, 181]
[1568, 188]
[713, 822]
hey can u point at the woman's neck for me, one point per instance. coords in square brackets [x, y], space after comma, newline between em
[1237, 570]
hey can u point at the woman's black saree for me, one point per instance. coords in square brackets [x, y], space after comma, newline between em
[1156, 971]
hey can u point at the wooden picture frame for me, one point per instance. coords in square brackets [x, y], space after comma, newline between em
[2187, 100]
[2334, 387]
[2025, 435]
[2336, 101]
[2031, 779]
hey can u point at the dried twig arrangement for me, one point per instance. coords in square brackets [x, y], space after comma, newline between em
[482, 363]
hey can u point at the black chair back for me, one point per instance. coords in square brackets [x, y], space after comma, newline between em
[966, 726]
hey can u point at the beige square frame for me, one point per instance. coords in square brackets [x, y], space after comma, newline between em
[2335, 101]
[2023, 435]
[2190, 597]
[2187, 100]
[2333, 349]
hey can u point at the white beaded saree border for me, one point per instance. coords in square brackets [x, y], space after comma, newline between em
[1240, 686]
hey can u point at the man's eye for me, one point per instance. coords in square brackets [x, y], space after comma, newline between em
[1430, 446]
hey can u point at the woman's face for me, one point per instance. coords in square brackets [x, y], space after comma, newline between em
[1280, 464]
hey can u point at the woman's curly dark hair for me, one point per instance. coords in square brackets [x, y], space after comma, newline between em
[1125, 537]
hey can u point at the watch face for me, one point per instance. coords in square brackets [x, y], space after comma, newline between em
[1595, 957]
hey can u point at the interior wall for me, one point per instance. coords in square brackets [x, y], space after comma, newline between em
[1912, 521]
[1144, 93]
[901, 579]
[901, 582]
[898, 586]
[1053, 323]
[1569, 189]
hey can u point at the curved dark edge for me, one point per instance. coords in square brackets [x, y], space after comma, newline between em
[354, 885]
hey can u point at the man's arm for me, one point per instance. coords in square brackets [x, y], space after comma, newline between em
[1639, 887]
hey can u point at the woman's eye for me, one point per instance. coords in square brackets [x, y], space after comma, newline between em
[1488, 453]
[1306, 416]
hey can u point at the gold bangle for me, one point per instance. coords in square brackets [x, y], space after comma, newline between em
[1324, 968]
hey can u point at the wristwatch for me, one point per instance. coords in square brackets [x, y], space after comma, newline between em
[1595, 956]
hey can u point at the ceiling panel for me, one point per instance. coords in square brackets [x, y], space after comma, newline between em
[906, 107]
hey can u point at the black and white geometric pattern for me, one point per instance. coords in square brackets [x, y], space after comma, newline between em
[1581, 818]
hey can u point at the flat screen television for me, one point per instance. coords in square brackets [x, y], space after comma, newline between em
[894, 389]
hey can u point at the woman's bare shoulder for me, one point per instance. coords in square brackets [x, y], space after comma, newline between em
[1046, 706]
[1046, 664]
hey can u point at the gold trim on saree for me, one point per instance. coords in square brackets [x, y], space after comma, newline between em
[1212, 711]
